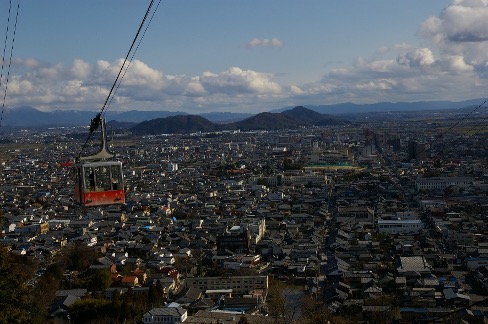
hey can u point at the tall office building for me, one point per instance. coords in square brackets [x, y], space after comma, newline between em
[417, 151]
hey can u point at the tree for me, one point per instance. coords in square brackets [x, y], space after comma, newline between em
[288, 164]
[160, 291]
[183, 265]
[80, 257]
[102, 279]
[56, 270]
[13, 290]
[44, 292]
[153, 295]
[315, 311]
[280, 307]
[276, 300]
[91, 310]
[197, 256]
[116, 296]
[42, 296]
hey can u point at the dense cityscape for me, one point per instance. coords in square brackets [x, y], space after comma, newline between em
[377, 222]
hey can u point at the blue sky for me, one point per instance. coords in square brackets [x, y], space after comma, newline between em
[245, 56]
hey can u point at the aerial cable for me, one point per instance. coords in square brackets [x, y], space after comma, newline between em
[127, 56]
[4, 51]
[133, 55]
[11, 53]
[96, 120]
[5, 42]
[439, 136]
[455, 141]
[468, 131]
[459, 121]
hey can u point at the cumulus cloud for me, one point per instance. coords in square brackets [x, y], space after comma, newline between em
[457, 64]
[265, 42]
[236, 80]
[417, 58]
[460, 29]
[140, 74]
[19, 88]
[194, 88]
[462, 21]
[80, 69]
[27, 63]
[296, 90]
[376, 85]
[82, 85]
[452, 64]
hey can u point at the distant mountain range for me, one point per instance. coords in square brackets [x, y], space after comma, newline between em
[351, 108]
[30, 117]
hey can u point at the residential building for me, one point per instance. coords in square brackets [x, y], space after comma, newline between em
[240, 285]
[165, 315]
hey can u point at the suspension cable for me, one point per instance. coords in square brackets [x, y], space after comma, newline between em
[96, 120]
[455, 141]
[133, 55]
[11, 54]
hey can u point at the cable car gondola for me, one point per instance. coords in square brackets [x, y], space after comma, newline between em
[99, 179]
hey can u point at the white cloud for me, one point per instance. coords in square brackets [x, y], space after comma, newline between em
[103, 65]
[140, 74]
[457, 64]
[27, 63]
[466, 21]
[86, 86]
[80, 69]
[460, 29]
[453, 65]
[296, 90]
[265, 42]
[19, 87]
[194, 88]
[236, 80]
[376, 85]
[417, 58]
[51, 72]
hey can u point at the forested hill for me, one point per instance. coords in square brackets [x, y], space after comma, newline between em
[291, 119]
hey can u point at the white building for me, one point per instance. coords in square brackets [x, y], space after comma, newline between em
[331, 157]
[399, 226]
[433, 204]
[240, 285]
[165, 315]
[296, 179]
[407, 215]
[276, 196]
[257, 229]
[172, 167]
[400, 215]
[441, 183]
[347, 214]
